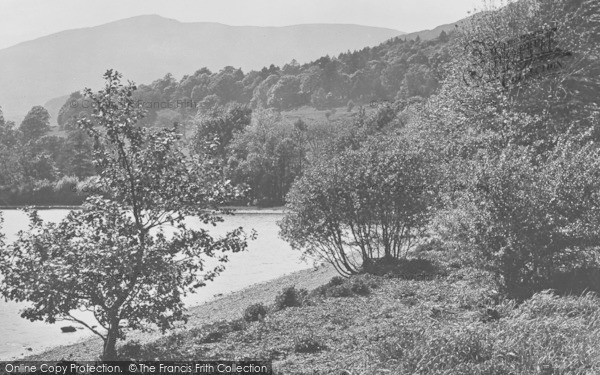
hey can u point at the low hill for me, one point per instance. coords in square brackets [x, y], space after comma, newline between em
[147, 47]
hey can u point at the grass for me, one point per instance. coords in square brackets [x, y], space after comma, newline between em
[312, 115]
[452, 324]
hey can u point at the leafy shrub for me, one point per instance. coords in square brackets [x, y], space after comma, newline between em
[290, 297]
[89, 186]
[360, 287]
[213, 336]
[66, 184]
[340, 287]
[529, 219]
[237, 325]
[336, 287]
[336, 280]
[364, 204]
[255, 312]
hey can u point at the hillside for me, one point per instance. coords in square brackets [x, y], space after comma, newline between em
[453, 323]
[396, 69]
[147, 47]
[53, 106]
[433, 33]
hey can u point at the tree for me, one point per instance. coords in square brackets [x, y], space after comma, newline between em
[418, 81]
[443, 37]
[77, 155]
[115, 257]
[74, 108]
[556, 83]
[519, 144]
[36, 124]
[527, 222]
[267, 156]
[285, 94]
[10, 169]
[215, 131]
[361, 206]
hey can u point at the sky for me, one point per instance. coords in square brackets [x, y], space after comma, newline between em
[22, 20]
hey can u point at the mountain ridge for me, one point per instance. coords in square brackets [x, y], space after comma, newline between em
[146, 47]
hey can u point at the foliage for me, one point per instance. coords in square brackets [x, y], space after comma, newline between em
[290, 297]
[74, 109]
[10, 173]
[516, 102]
[216, 130]
[336, 280]
[372, 73]
[114, 257]
[342, 287]
[518, 146]
[362, 205]
[410, 327]
[255, 312]
[30, 158]
[35, 124]
[76, 155]
[355, 77]
[267, 155]
[530, 220]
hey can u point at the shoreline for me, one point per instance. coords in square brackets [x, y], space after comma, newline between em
[227, 307]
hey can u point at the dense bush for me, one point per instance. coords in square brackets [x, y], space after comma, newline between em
[336, 280]
[290, 297]
[530, 220]
[360, 287]
[255, 312]
[340, 287]
[362, 205]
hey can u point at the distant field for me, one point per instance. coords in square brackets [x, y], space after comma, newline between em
[312, 115]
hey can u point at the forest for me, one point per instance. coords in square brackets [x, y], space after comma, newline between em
[256, 121]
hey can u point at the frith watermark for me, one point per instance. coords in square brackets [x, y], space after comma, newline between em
[527, 56]
[177, 104]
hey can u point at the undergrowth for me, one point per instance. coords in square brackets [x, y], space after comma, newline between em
[379, 325]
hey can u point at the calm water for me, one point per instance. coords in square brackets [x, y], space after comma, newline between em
[268, 257]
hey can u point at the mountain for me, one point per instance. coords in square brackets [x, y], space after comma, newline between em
[146, 47]
[434, 33]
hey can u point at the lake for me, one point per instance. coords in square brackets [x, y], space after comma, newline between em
[268, 257]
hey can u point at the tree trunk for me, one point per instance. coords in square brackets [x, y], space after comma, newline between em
[110, 345]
